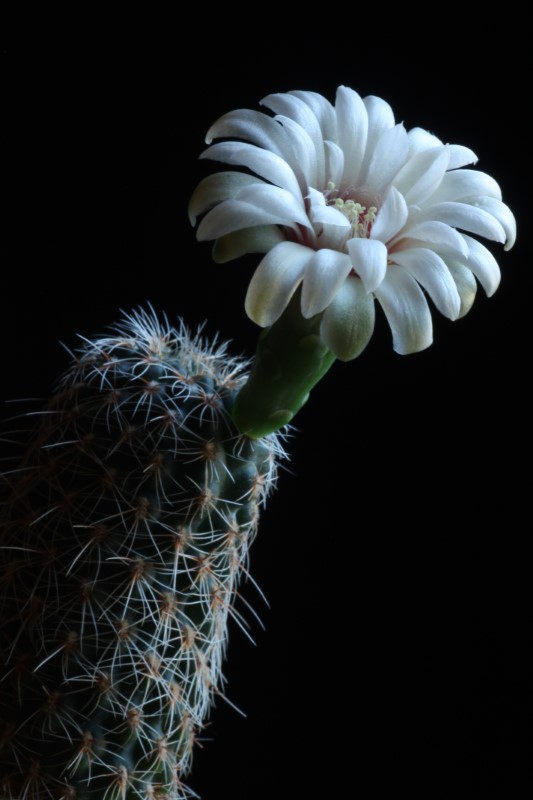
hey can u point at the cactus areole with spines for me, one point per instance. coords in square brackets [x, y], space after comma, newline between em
[123, 538]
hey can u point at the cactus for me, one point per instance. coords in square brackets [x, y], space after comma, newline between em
[123, 536]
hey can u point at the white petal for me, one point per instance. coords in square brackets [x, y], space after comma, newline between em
[352, 129]
[390, 154]
[325, 273]
[275, 281]
[334, 163]
[216, 188]
[369, 259]
[462, 183]
[483, 264]
[406, 310]
[259, 239]
[466, 285]
[320, 212]
[380, 119]
[466, 217]
[254, 126]
[291, 106]
[441, 237]
[420, 139]
[303, 150]
[391, 217]
[323, 111]
[433, 275]
[348, 321]
[499, 211]
[460, 156]
[260, 204]
[264, 163]
[422, 174]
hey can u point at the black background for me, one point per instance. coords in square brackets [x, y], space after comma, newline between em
[395, 555]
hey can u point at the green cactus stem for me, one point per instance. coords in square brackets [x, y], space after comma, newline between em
[291, 358]
[124, 532]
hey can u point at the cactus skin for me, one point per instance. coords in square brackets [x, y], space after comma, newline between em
[122, 540]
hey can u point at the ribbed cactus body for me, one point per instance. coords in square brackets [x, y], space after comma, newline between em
[122, 540]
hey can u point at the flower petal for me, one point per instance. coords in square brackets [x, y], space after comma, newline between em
[289, 105]
[391, 217]
[323, 111]
[369, 259]
[390, 154]
[380, 119]
[443, 238]
[483, 264]
[260, 204]
[461, 183]
[320, 212]
[352, 129]
[466, 217]
[499, 211]
[422, 174]
[334, 163]
[433, 275]
[275, 281]
[264, 163]
[325, 273]
[406, 310]
[303, 150]
[466, 285]
[253, 126]
[348, 321]
[216, 188]
[419, 140]
[259, 239]
[460, 156]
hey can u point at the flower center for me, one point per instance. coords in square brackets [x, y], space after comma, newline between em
[360, 217]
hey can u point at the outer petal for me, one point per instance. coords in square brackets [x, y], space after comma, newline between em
[483, 264]
[264, 163]
[259, 239]
[380, 119]
[323, 111]
[466, 285]
[468, 218]
[461, 183]
[352, 129]
[431, 272]
[391, 217]
[390, 154]
[422, 174]
[420, 139]
[499, 211]
[254, 126]
[304, 154]
[275, 281]
[215, 189]
[369, 259]
[291, 106]
[348, 321]
[406, 310]
[260, 204]
[326, 272]
[460, 156]
[442, 238]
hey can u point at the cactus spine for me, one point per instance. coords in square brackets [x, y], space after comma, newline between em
[123, 537]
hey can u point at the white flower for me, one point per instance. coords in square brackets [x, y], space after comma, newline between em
[352, 207]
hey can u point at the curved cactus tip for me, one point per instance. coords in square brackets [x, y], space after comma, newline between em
[291, 358]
